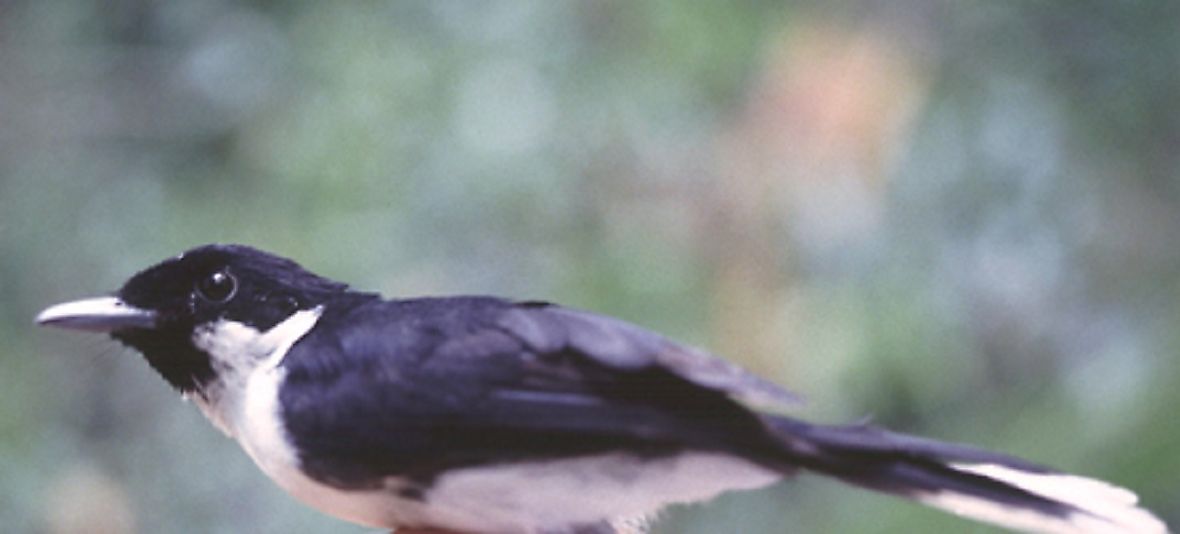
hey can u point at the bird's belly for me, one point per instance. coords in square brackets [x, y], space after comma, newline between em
[559, 494]
[382, 508]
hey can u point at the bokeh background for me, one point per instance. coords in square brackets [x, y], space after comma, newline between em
[958, 219]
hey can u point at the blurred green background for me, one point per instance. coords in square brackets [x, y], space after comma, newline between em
[960, 219]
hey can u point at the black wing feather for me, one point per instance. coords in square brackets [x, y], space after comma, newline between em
[412, 388]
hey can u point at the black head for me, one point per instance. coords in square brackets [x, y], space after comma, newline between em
[158, 309]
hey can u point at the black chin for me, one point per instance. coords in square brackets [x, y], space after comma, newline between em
[171, 353]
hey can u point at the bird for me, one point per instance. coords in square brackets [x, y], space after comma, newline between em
[480, 414]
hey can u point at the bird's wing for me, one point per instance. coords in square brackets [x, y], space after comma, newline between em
[434, 384]
[621, 345]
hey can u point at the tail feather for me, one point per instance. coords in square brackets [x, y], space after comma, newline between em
[966, 481]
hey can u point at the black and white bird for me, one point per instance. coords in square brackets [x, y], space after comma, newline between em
[486, 415]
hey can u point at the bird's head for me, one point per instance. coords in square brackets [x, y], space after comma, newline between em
[169, 311]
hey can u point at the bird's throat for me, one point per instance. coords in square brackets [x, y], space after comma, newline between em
[236, 352]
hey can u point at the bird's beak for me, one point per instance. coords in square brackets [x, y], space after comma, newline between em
[101, 314]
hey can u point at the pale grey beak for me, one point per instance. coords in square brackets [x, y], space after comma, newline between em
[101, 314]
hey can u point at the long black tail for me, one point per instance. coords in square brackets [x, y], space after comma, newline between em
[966, 481]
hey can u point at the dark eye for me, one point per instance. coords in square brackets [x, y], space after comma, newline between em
[217, 287]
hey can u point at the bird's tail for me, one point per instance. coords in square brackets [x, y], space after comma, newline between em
[970, 482]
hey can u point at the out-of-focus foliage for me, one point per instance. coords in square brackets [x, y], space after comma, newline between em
[960, 219]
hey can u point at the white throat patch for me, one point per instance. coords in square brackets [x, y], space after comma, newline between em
[235, 352]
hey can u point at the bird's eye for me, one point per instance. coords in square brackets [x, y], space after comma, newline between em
[218, 287]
